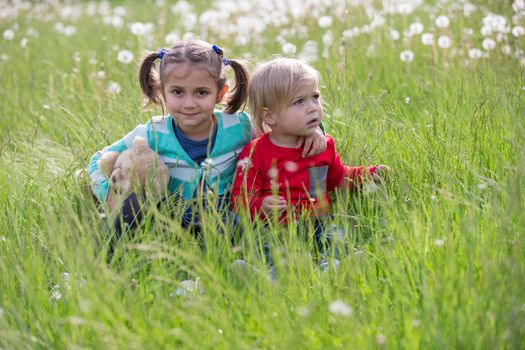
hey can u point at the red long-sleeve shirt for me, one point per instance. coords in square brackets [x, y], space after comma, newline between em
[265, 168]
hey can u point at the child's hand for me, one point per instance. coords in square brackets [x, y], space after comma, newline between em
[313, 144]
[380, 173]
[273, 204]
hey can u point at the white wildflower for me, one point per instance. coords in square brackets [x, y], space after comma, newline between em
[9, 34]
[485, 31]
[416, 28]
[406, 56]
[171, 38]
[518, 31]
[125, 56]
[244, 163]
[442, 21]
[55, 293]
[273, 172]
[489, 44]
[407, 100]
[120, 11]
[468, 9]
[339, 307]
[444, 42]
[289, 49]
[506, 50]
[394, 34]
[475, 53]
[69, 31]
[325, 21]
[23, 43]
[291, 167]
[439, 242]
[416, 323]
[113, 88]
[328, 38]
[518, 5]
[427, 39]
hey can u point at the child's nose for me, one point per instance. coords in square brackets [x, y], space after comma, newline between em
[189, 102]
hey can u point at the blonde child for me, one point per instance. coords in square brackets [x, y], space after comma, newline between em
[272, 178]
[198, 142]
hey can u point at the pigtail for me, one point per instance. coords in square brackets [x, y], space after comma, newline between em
[238, 96]
[149, 79]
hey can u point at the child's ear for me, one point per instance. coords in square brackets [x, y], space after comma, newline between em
[267, 116]
[221, 93]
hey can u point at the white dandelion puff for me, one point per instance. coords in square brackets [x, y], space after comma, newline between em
[506, 50]
[289, 49]
[113, 88]
[325, 21]
[394, 34]
[55, 293]
[171, 38]
[406, 56]
[407, 100]
[273, 172]
[475, 53]
[416, 323]
[427, 39]
[518, 31]
[244, 163]
[439, 242]
[23, 43]
[125, 56]
[9, 34]
[489, 44]
[69, 31]
[444, 41]
[339, 307]
[291, 167]
[416, 28]
[442, 21]
[328, 38]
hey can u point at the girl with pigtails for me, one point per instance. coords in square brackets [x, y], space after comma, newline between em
[198, 142]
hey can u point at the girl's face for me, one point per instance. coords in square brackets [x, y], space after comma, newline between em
[191, 94]
[301, 117]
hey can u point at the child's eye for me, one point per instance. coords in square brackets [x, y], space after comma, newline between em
[202, 92]
[176, 91]
[317, 96]
[298, 101]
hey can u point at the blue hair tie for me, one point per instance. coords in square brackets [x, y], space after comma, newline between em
[219, 52]
[161, 53]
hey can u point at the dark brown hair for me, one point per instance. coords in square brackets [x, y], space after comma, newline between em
[194, 52]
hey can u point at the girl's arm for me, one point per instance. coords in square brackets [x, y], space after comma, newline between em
[99, 182]
[314, 144]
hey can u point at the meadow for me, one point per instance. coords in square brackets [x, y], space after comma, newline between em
[436, 258]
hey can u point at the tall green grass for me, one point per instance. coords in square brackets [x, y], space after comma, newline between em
[439, 259]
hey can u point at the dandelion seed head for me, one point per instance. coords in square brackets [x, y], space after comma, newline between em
[273, 172]
[416, 323]
[394, 34]
[444, 42]
[9, 34]
[489, 44]
[113, 88]
[475, 53]
[406, 56]
[55, 293]
[289, 49]
[125, 56]
[339, 307]
[325, 21]
[427, 39]
[439, 242]
[416, 28]
[442, 21]
[407, 100]
[506, 50]
[518, 31]
[291, 167]
[328, 38]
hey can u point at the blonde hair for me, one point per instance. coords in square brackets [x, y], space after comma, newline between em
[274, 84]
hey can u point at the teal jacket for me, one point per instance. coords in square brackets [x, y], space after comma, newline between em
[217, 171]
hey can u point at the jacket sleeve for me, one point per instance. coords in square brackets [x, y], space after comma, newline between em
[248, 182]
[99, 182]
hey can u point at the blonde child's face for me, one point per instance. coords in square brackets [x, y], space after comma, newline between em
[301, 117]
[191, 94]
